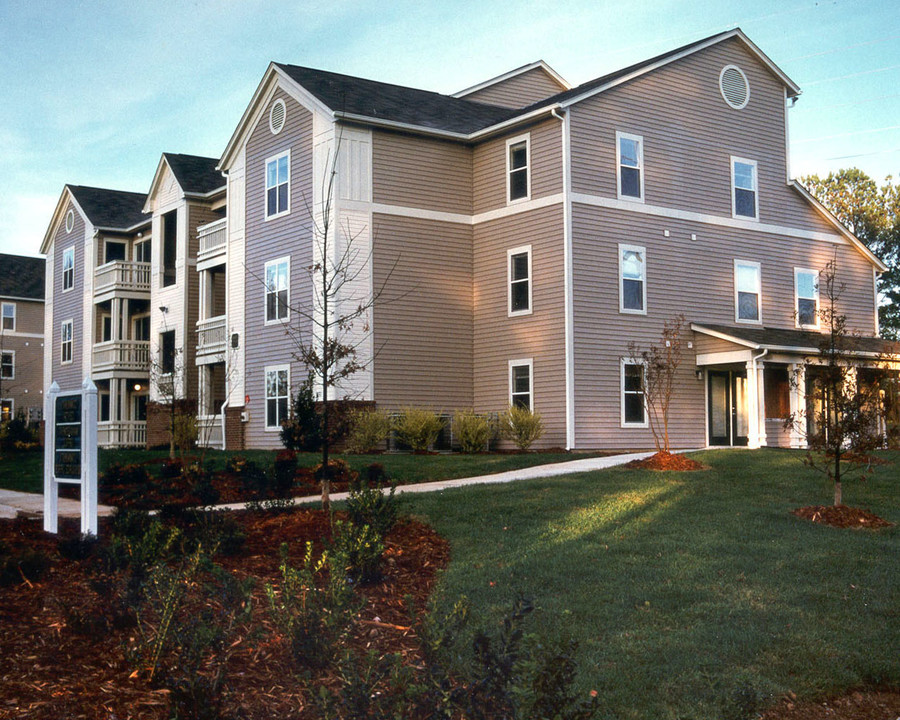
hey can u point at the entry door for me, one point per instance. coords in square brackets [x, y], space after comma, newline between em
[728, 420]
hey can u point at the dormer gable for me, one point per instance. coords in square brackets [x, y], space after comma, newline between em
[517, 88]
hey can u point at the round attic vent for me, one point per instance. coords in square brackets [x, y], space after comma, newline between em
[276, 116]
[734, 86]
[70, 220]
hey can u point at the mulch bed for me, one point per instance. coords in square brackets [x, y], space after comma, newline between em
[857, 705]
[52, 668]
[841, 516]
[666, 461]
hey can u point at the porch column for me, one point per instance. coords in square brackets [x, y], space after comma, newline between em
[761, 402]
[798, 405]
[752, 405]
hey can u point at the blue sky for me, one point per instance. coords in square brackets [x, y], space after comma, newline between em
[93, 92]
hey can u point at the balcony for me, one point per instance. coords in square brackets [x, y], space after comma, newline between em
[122, 276]
[210, 431]
[213, 238]
[122, 356]
[122, 433]
[212, 337]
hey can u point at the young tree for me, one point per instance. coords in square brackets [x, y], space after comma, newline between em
[660, 364]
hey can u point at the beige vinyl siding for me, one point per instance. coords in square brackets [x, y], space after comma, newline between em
[518, 91]
[288, 235]
[689, 135]
[25, 389]
[68, 305]
[421, 173]
[541, 335]
[489, 185]
[197, 215]
[704, 344]
[169, 190]
[423, 324]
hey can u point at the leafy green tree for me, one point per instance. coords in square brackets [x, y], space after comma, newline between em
[872, 213]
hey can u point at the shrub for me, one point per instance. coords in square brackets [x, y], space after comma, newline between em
[338, 471]
[473, 432]
[284, 472]
[418, 428]
[171, 469]
[186, 430]
[357, 551]
[201, 486]
[139, 541]
[368, 430]
[303, 431]
[125, 475]
[522, 426]
[367, 504]
[22, 565]
[16, 431]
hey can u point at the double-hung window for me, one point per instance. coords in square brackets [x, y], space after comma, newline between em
[632, 279]
[68, 268]
[747, 291]
[65, 342]
[806, 289]
[8, 365]
[521, 387]
[519, 274]
[278, 383]
[518, 169]
[8, 321]
[278, 183]
[630, 162]
[278, 274]
[167, 352]
[634, 409]
[744, 189]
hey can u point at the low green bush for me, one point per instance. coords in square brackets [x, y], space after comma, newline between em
[522, 426]
[473, 432]
[357, 551]
[19, 566]
[368, 430]
[284, 471]
[418, 428]
[368, 504]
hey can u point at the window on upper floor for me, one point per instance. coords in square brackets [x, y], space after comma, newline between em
[744, 189]
[169, 247]
[113, 251]
[278, 274]
[278, 184]
[519, 275]
[68, 269]
[8, 321]
[106, 328]
[806, 297]
[142, 251]
[630, 162]
[8, 365]
[278, 383]
[634, 410]
[66, 342]
[521, 386]
[632, 279]
[167, 352]
[747, 291]
[518, 168]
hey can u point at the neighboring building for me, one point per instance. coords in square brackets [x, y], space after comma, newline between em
[21, 337]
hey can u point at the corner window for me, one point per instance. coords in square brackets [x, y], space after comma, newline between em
[142, 251]
[68, 269]
[65, 342]
[747, 291]
[277, 292]
[518, 168]
[8, 321]
[634, 411]
[744, 189]
[806, 289]
[630, 162]
[8, 365]
[519, 274]
[167, 352]
[277, 396]
[278, 182]
[521, 388]
[632, 279]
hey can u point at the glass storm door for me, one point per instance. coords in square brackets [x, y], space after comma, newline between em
[728, 419]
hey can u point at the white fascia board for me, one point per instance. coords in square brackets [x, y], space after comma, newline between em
[537, 64]
[157, 180]
[57, 216]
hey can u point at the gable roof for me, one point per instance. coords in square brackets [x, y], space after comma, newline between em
[799, 341]
[21, 277]
[194, 173]
[116, 210]
[537, 65]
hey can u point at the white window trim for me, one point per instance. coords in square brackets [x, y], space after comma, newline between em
[640, 140]
[3, 317]
[174, 356]
[524, 249]
[815, 273]
[734, 214]
[12, 406]
[518, 363]
[275, 158]
[272, 128]
[11, 353]
[622, 363]
[277, 321]
[623, 247]
[526, 138]
[70, 220]
[266, 371]
[107, 242]
[68, 251]
[62, 342]
[759, 297]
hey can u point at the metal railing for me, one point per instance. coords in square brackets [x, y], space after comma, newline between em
[122, 275]
[212, 335]
[212, 238]
[122, 433]
[131, 355]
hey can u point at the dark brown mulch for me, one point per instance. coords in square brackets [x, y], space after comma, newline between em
[865, 459]
[857, 705]
[841, 516]
[666, 461]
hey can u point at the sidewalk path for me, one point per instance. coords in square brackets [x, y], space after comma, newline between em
[12, 502]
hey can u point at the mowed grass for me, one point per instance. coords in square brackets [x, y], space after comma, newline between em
[687, 592]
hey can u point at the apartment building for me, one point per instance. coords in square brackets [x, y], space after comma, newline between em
[21, 337]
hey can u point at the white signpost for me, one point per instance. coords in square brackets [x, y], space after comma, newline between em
[70, 452]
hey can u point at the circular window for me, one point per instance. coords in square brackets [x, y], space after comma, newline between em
[276, 116]
[734, 86]
[70, 220]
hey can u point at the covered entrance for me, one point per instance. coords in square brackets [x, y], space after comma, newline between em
[727, 407]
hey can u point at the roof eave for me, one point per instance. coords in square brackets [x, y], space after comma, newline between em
[537, 64]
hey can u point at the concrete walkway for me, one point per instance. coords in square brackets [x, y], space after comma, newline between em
[13, 502]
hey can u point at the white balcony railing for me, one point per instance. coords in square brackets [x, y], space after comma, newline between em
[122, 433]
[128, 355]
[211, 335]
[212, 239]
[122, 275]
[210, 431]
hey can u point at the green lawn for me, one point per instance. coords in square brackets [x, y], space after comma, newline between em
[686, 591]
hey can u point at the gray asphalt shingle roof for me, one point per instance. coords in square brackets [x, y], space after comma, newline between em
[194, 173]
[113, 209]
[21, 277]
[801, 339]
